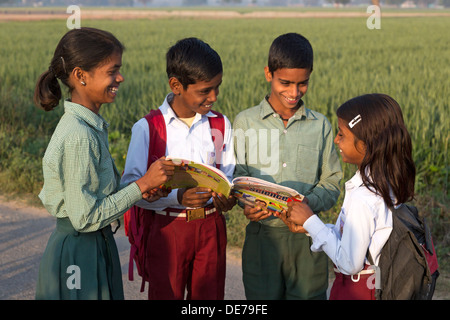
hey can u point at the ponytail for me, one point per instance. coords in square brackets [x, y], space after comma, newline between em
[47, 93]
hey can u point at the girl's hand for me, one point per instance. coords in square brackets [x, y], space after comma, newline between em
[155, 194]
[298, 212]
[295, 228]
[159, 173]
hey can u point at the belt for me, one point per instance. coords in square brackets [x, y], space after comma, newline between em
[356, 277]
[189, 214]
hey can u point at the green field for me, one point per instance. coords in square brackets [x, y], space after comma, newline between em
[409, 59]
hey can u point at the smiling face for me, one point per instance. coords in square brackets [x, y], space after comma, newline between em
[101, 83]
[288, 86]
[198, 97]
[351, 149]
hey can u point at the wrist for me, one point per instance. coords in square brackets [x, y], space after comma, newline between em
[141, 184]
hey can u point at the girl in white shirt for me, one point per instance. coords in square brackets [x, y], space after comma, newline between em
[373, 136]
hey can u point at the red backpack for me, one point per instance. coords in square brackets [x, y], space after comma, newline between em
[137, 220]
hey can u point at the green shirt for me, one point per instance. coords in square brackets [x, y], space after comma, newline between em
[81, 181]
[301, 156]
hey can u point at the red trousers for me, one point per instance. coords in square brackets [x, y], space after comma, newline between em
[344, 288]
[187, 257]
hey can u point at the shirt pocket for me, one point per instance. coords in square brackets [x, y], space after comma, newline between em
[307, 165]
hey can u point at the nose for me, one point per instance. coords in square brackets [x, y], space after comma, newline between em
[120, 78]
[294, 91]
[336, 140]
[213, 95]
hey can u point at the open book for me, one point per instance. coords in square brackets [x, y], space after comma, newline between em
[247, 190]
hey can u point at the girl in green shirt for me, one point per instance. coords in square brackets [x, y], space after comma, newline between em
[81, 183]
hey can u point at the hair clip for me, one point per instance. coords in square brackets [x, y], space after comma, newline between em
[64, 64]
[355, 120]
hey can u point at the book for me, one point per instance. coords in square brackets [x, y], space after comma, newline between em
[247, 190]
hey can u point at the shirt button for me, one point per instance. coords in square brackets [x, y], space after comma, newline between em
[284, 165]
[284, 131]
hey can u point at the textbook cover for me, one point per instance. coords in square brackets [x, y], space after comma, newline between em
[247, 190]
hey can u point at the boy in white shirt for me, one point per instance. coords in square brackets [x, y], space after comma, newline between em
[184, 255]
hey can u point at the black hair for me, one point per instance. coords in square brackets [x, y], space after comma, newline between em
[290, 50]
[377, 120]
[191, 60]
[86, 48]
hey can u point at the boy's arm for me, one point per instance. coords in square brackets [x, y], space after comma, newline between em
[136, 165]
[325, 194]
[228, 159]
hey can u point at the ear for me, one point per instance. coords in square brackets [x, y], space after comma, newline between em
[361, 147]
[175, 86]
[268, 74]
[78, 75]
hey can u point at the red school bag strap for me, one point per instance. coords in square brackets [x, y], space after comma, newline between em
[158, 136]
[139, 218]
[217, 125]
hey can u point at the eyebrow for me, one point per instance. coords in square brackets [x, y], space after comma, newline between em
[115, 66]
[287, 81]
[211, 87]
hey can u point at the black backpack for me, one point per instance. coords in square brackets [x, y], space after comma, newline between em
[404, 267]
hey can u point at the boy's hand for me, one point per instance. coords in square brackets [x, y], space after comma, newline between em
[222, 203]
[256, 213]
[194, 197]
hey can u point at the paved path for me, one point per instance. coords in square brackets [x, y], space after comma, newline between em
[24, 232]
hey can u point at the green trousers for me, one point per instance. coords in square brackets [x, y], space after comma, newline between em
[279, 265]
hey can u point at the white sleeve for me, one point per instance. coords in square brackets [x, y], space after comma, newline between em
[348, 251]
[228, 160]
[137, 155]
[136, 165]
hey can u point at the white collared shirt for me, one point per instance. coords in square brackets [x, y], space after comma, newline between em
[194, 143]
[365, 221]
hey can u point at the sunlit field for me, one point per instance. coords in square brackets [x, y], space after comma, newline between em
[408, 58]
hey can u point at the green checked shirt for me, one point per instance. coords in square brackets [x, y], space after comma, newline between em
[81, 181]
[301, 156]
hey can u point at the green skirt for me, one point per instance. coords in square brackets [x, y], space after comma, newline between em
[80, 266]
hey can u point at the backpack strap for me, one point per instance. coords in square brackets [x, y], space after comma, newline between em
[217, 125]
[158, 136]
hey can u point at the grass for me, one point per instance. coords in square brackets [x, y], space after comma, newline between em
[407, 59]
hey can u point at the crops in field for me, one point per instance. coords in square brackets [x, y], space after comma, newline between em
[408, 58]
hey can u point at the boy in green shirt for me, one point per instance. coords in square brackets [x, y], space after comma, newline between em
[282, 141]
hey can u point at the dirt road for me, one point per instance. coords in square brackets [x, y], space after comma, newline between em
[24, 232]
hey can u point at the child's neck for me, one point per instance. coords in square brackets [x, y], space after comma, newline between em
[284, 113]
[180, 109]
